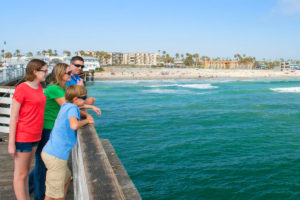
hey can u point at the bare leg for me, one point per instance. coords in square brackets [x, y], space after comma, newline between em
[67, 185]
[49, 198]
[21, 171]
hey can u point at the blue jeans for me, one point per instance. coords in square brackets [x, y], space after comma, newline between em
[37, 176]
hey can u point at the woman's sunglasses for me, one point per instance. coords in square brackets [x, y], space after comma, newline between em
[77, 65]
[69, 72]
[82, 97]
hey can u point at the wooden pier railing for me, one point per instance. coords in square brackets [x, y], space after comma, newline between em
[97, 171]
[6, 94]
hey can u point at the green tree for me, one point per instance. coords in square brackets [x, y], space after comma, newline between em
[8, 55]
[29, 54]
[177, 56]
[68, 53]
[189, 59]
[50, 52]
[196, 56]
[38, 53]
[17, 53]
[182, 56]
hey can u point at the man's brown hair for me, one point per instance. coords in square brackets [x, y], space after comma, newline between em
[74, 91]
[33, 65]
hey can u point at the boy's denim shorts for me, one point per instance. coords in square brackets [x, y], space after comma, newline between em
[25, 146]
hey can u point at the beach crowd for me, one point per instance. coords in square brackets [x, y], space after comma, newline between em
[44, 125]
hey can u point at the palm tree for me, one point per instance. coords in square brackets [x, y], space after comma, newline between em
[177, 56]
[8, 55]
[30, 54]
[50, 52]
[182, 56]
[66, 52]
[82, 53]
[17, 53]
[196, 56]
[38, 53]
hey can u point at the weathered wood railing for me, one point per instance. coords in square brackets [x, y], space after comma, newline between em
[11, 73]
[6, 94]
[97, 171]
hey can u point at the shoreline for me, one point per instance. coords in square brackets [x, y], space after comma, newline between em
[121, 73]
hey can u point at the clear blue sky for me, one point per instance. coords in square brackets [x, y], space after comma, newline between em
[216, 28]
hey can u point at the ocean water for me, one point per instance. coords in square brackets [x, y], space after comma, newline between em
[205, 139]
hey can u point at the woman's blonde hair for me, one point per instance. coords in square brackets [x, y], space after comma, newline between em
[33, 65]
[74, 91]
[58, 72]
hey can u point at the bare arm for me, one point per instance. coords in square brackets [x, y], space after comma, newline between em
[60, 100]
[94, 108]
[14, 116]
[75, 124]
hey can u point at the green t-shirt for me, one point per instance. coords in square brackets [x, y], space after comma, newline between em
[52, 92]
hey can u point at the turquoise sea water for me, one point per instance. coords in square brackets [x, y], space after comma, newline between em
[205, 139]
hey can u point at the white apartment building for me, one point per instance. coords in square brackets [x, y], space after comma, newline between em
[139, 58]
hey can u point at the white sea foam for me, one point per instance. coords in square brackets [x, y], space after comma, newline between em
[291, 89]
[199, 86]
[158, 86]
[159, 91]
[194, 86]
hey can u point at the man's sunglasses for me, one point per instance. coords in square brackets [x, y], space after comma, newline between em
[69, 72]
[82, 97]
[77, 65]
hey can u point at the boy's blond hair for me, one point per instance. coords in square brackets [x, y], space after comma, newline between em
[74, 91]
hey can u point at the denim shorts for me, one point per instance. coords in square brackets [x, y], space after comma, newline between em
[25, 146]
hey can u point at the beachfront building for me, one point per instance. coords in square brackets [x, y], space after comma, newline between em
[220, 64]
[90, 63]
[288, 66]
[224, 64]
[145, 58]
[179, 63]
[128, 59]
[106, 60]
[117, 58]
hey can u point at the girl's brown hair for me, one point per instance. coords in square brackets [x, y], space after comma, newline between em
[58, 72]
[74, 91]
[33, 65]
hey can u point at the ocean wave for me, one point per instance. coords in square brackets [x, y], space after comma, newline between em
[291, 89]
[159, 91]
[194, 86]
[199, 86]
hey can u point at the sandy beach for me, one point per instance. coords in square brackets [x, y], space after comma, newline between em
[186, 73]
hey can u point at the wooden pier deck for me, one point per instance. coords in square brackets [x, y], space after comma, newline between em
[7, 171]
